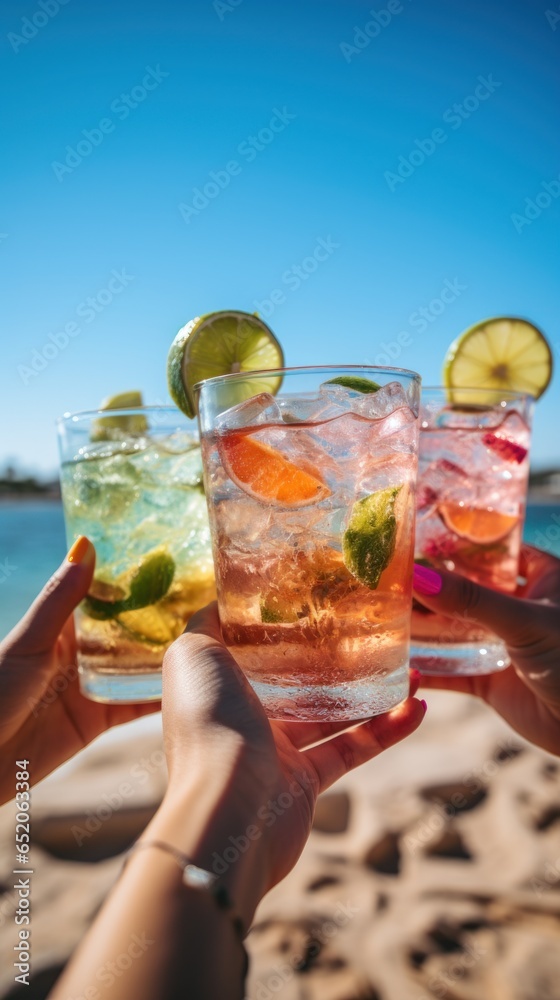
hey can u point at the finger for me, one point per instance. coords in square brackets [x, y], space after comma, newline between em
[542, 574]
[206, 621]
[415, 679]
[533, 561]
[467, 685]
[118, 715]
[343, 753]
[306, 734]
[201, 650]
[203, 684]
[510, 618]
[197, 659]
[40, 627]
[497, 689]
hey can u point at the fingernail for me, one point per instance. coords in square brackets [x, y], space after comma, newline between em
[424, 703]
[78, 550]
[426, 581]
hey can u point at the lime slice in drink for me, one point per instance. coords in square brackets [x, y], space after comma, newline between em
[146, 585]
[154, 625]
[125, 425]
[275, 613]
[501, 353]
[219, 344]
[355, 382]
[368, 543]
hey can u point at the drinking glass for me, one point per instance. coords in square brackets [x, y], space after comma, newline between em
[472, 489]
[311, 502]
[132, 482]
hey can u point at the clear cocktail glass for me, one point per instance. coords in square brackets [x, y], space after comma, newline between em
[132, 482]
[472, 489]
[311, 502]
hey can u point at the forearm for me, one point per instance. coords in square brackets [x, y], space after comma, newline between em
[157, 937]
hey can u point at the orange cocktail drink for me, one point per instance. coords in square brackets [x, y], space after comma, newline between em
[311, 503]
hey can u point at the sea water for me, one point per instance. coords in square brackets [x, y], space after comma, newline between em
[32, 544]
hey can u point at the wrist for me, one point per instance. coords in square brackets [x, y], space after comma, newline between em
[218, 833]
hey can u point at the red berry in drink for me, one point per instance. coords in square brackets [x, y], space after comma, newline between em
[510, 451]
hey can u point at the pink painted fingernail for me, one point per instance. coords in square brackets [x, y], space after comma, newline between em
[424, 703]
[426, 581]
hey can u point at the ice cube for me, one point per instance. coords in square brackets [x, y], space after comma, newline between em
[453, 417]
[185, 469]
[103, 489]
[441, 480]
[108, 449]
[376, 405]
[313, 408]
[179, 443]
[395, 423]
[253, 412]
[338, 395]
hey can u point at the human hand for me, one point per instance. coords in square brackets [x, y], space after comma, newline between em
[261, 778]
[526, 694]
[43, 716]
[239, 803]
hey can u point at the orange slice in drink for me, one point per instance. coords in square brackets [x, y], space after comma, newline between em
[265, 474]
[476, 524]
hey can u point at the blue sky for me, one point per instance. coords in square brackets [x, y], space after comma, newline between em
[200, 79]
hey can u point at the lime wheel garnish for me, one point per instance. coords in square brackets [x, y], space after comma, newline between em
[222, 343]
[504, 353]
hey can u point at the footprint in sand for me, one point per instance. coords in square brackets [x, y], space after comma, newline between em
[92, 836]
[332, 813]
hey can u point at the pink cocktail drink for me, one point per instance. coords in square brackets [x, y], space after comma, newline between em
[311, 502]
[472, 488]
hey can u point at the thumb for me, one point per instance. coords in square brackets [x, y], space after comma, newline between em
[510, 618]
[40, 627]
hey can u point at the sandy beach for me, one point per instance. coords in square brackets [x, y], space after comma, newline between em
[433, 871]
